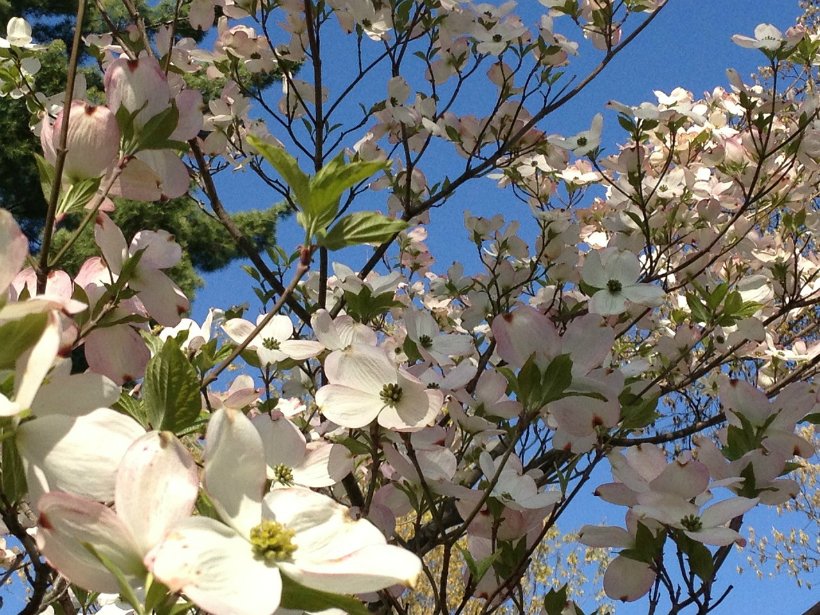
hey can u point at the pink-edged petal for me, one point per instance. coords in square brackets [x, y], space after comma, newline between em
[686, 478]
[627, 579]
[348, 407]
[361, 367]
[216, 568]
[117, 352]
[13, 249]
[325, 464]
[156, 487]
[605, 536]
[588, 341]
[717, 536]
[161, 251]
[77, 455]
[163, 299]
[521, 333]
[66, 522]
[111, 241]
[740, 397]
[138, 182]
[617, 493]
[173, 174]
[726, 510]
[581, 415]
[235, 469]
[189, 102]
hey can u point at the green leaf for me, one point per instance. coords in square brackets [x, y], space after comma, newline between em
[46, 172]
[14, 476]
[698, 309]
[330, 182]
[700, 558]
[299, 597]
[171, 389]
[555, 601]
[557, 378]
[126, 591]
[287, 167]
[78, 195]
[156, 131]
[640, 413]
[477, 569]
[362, 227]
[18, 336]
[133, 407]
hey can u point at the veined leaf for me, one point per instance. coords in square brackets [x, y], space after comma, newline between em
[362, 227]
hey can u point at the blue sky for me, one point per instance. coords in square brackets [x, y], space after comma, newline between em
[689, 46]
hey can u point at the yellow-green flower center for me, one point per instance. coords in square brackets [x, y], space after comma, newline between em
[271, 343]
[283, 474]
[272, 542]
[391, 394]
[692, 523]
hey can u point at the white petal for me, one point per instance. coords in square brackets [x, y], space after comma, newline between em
[75, 395]
[239, 329]
[361, 367]
[216, 569]
[348, 407]
[335, 553]
[235, 469]
[725, 511]
[604, 536]
[607, 303]
[77, 455]
[324, 465]
[282, 440]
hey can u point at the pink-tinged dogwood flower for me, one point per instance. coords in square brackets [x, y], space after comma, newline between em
[616, 272]
[584, 142]
[625, 579]
[272, 344]
[93, 140]
[161, 297]
[767, 37]
[365, 385]
[235, 568]
[156, 488]
[138, 85]
[706, 527]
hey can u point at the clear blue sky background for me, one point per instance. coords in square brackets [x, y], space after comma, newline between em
[688, 46]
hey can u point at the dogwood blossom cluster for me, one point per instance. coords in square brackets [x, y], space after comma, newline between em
[374, 431]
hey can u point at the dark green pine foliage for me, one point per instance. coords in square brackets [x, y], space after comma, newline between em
[206, 245]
